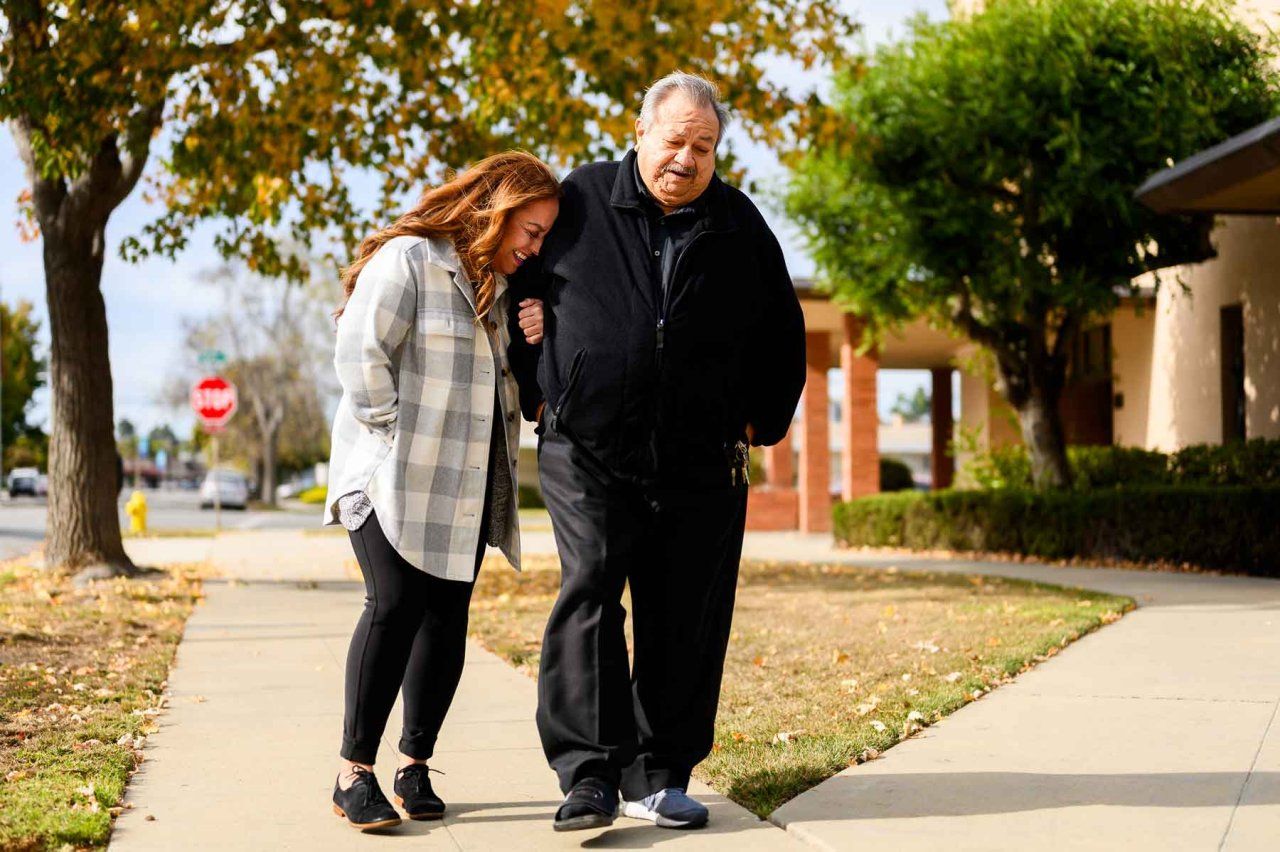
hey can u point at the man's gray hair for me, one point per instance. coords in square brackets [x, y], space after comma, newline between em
[701, 91]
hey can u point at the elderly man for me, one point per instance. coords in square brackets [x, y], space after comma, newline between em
[674, 339]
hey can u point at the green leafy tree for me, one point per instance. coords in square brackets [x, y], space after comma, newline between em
[22, 371]
[986, 176]
[912, 407]
[262, 111]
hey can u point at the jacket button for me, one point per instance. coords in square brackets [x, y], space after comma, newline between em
[504, 372]
[511, 418]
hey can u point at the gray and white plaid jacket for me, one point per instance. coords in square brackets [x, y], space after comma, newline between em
[412, 428]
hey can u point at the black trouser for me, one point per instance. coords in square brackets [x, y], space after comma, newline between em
[646, 729]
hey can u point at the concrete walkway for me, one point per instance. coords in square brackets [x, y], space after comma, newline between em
[246, 754]
[1159, 732]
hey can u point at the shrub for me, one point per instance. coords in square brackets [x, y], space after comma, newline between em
[895, 476]
[316, 494]
[1229, 527]
[1255, 462]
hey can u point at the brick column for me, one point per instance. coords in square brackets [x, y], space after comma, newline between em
[815, 451]
[779, 468]
[941, 463]
[860, 464]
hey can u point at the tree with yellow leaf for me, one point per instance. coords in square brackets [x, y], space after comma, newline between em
[261, 113]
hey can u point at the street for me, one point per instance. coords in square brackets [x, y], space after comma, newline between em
[22, 519]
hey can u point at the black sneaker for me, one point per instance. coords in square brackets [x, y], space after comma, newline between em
[362, 804]
[414, 794]
[592, 803]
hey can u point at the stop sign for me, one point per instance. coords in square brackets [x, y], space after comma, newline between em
[214, 400]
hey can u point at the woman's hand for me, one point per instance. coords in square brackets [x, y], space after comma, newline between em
[530, 318]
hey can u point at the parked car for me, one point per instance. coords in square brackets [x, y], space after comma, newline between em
[294, 487]
[229, 486]
[27, 480]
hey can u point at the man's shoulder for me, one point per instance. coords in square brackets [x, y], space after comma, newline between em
[743, 208]
[593, 176]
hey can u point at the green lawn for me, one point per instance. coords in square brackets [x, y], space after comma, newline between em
[828, 666]
[82, 672]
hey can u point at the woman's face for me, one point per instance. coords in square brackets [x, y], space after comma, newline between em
[526, 228]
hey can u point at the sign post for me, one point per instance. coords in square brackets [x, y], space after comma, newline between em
[214, 400]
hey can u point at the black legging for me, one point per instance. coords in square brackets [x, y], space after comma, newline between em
[413, 631]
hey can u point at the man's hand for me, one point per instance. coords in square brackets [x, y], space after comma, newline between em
[530, 318]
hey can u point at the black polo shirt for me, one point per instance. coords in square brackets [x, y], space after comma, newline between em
[667, 233]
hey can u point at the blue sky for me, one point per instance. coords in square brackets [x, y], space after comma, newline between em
[147, 302]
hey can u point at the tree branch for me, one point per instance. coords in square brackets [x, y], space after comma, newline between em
[47, 194]
[135, 149]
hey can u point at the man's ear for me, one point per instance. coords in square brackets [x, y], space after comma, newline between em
[639, 133]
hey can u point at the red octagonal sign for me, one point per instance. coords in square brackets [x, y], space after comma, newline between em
[214, 400]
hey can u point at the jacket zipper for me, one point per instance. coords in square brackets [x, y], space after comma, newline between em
[666, 296]
[571, 382]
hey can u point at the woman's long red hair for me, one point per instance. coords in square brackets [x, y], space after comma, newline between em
[471, 211]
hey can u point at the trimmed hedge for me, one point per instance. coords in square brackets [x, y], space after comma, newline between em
[1234, 528]
[1253, 462]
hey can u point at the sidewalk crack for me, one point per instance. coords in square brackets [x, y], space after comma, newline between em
[1248, 777]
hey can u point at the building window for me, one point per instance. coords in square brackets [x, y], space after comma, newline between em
[1231, 327]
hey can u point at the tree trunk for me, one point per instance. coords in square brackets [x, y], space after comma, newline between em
[84, 527]
[1031, 381]
[269, 451]
[1042, 432]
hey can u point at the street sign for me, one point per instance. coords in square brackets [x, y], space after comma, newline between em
[212, 358]
[213, 399]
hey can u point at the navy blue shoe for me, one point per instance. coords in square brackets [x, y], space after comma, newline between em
[668, 808]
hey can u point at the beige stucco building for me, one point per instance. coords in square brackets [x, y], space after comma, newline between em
[1195, 359]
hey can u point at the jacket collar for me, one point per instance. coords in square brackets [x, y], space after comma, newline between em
[628, 194]
[441, 253]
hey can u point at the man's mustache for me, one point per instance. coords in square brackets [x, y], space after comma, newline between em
[678, 170]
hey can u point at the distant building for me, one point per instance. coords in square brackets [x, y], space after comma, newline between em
[1166, 369]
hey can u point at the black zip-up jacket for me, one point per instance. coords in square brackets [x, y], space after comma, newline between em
[657, 393]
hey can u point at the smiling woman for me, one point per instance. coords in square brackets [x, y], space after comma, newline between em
[421, 474]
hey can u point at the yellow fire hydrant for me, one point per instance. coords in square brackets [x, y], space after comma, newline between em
[136, 509]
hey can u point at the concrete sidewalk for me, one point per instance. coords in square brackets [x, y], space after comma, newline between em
[1158, 732]
[246, 754]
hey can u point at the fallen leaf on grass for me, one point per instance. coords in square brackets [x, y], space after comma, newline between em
[878, 725]
[786, 737]
[953, 677]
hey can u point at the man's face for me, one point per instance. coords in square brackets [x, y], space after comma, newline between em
[676, 154]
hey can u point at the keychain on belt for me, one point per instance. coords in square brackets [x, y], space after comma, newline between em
[740, 472]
